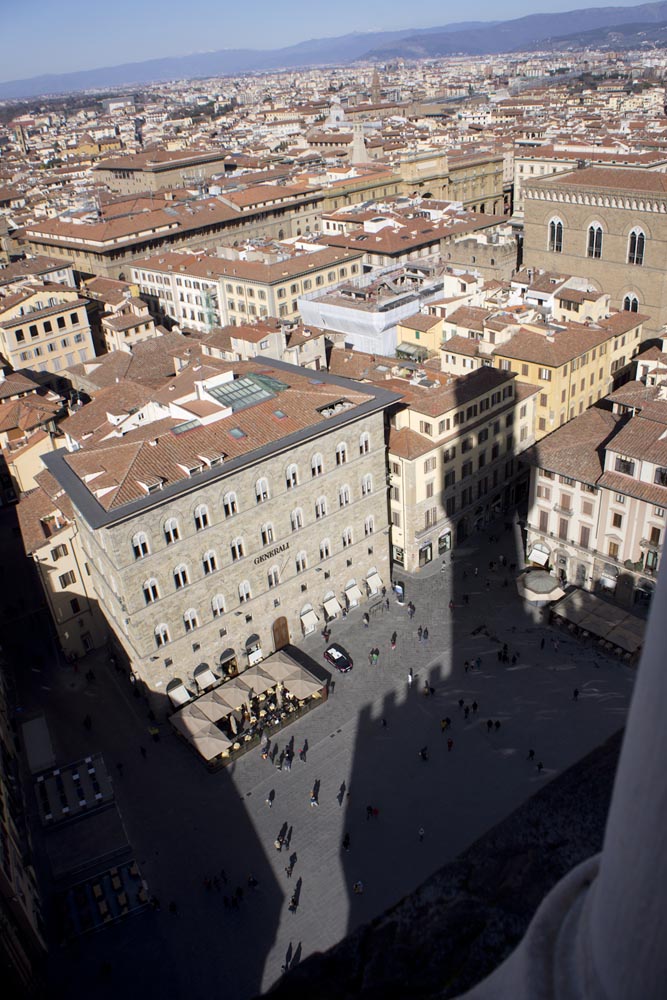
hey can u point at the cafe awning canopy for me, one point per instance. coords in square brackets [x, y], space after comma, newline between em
[309, 620]
[332, 607]
[178, 693]
[538, 556]
[374, 583]
[257, 679]
[210, 742]
[204, 676]
[213, 707]
[302, 685]
[190, 720]
[279, 666]
[234, 693]
[353, 594]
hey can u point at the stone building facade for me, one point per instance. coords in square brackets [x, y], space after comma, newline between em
[607, 225]
[243, 556]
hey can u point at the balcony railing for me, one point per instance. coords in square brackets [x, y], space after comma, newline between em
[563, 510]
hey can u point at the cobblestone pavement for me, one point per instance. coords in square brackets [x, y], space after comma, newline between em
[185, 824]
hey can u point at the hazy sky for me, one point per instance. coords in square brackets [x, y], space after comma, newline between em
[45, 36]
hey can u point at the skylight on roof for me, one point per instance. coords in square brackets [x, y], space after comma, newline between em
[248, 390]
[187, 426]
[236, 432]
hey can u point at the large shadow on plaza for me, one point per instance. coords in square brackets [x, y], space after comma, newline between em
[192, 835]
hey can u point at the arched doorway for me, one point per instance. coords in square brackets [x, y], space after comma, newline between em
[280, 633]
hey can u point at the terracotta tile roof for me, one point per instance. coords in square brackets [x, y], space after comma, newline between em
[576, 449]
[648, 492]
[32, 511]
[406, 443]
[648, 181]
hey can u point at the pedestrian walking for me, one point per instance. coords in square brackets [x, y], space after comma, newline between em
[450, 745]
[313, 797]
[478, 662]
[366, 620]
[386, 603]
[466, 666]
[497, 724]
[423, 753]
[358, 887]
[540, 767]
[420, 834]
[270, 797]
[466, 711]
[475, 706]
[346, 842]
[370, 657]
[575, 694]
[451, 604]
[383, 723]
[411, 677]
[460, 702]
[420, 632]
[393, 640]
[542, 643]
[443, 725]
[531, 755]
[489, 725]
[476, 570]
[425, 635]
[376, 655]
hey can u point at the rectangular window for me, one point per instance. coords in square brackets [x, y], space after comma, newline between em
[613, 550]
[545, 374]
[74, 317]
[617, 520]
[544, 521]
[67, 579]
[425, 428]
[584, 536]
[430, 517]
[562, 528]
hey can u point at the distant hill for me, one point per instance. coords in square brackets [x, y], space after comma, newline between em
[620, 37]
[535, 31]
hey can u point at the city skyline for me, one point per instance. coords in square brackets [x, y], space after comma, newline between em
[135, 33]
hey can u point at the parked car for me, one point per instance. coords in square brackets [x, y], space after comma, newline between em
[338, 657]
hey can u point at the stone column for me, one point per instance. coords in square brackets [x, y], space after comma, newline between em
[601, 933]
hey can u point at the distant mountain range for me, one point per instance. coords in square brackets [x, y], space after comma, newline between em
[627, 27]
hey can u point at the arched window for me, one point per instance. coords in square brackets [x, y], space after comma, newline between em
[343, 496]
[161, 635]
[325, 548]
[556, 236]
[316, 465]
[218, 605]
[341, 453]
[321, 507]
[262, 490]
[171, 532]
[209, 562]
[301, 561]
[273, 577]
[364, 443]
[201, 517]
[296, 519]
[347, 537]
[190, 620]
[151, 592]
[291, 476]
[236, 547]
[230, 504]
[244, 591]
[594, 244]
[366, 485]
[369, 525]
[631, 303]
[266, 532]
[140, 545]
[636, 245]
[181, 576]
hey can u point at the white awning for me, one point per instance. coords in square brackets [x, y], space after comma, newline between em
[374, 583]
[309, 620]
[353, 595]
[179, 695]
[608, 582]
[205, 679]
[332, 607]
[538, 556]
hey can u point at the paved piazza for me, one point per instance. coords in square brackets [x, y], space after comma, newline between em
[186, 825]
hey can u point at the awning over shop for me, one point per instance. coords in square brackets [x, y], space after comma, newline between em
[374, 583]
[227, 655]
[257, 679]
[309, 620]
[178, 693]
[302, 685]
[538, 556]
[213, 707]
[252, 640]
[204, 676]
[353, 595]
[234, 693]
[332, 607]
